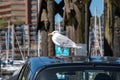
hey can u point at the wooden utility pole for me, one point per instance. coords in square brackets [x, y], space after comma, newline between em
[108, 29]
[43, 27]
[87, 25]
[74, 21]
[116, 39]
[50, 8]
[111, 14]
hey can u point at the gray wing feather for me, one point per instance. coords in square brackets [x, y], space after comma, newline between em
[63, 41]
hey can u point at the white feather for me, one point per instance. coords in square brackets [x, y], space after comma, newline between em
[63, 41]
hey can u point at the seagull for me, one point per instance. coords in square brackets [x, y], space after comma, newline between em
[63, 41]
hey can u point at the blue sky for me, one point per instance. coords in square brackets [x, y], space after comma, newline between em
[99, 6]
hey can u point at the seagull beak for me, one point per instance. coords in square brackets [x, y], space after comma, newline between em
[50, 34]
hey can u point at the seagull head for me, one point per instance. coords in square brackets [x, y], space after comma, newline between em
[52, 33]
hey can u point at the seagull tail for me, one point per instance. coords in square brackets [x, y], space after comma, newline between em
[78, 46]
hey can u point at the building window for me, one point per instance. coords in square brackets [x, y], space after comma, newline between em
[34, 11]
[34, 17]
[34, 23]
[18, 6]
[20, 17]
[18, 12]
[34, 6]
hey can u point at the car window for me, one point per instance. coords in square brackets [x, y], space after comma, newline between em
[77, 74]
[22, 71]
[25, 73]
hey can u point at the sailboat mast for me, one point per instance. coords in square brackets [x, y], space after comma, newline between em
[7, 41]
[39, 35]
[0, 49]
[6, 47]
[100, 37]
[13, 51]
[97, 47]
[95, 32]
[39, 41]
[59, 24]
[19, 48]
[95, 23]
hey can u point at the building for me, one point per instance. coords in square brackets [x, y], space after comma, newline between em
[23, 10]
[22, 37]
[18, 40]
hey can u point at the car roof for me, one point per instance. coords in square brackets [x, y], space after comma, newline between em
[40, 62]
[37, 64]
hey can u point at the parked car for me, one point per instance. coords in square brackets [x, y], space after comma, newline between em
[71, 68]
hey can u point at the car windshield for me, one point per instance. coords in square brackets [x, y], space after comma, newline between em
[78, 74]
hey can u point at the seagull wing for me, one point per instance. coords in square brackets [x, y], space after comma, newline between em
[63, 41]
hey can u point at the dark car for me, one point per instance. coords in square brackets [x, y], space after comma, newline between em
[71, 68]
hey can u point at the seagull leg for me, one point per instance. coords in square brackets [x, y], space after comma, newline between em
[72, 52]
[62, 51]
